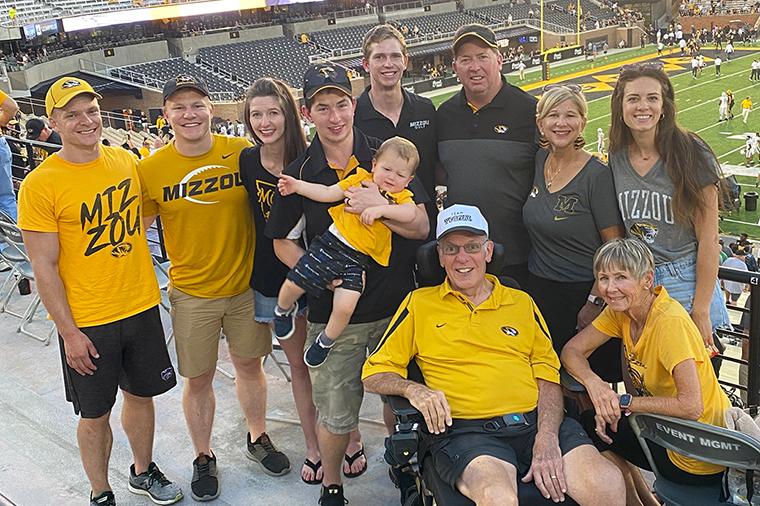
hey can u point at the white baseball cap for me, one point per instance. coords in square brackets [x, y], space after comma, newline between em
[460, 217]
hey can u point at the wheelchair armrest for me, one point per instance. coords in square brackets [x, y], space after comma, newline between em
[402, 408]
[569, 383]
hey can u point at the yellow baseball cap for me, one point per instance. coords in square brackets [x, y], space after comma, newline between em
[63, 90]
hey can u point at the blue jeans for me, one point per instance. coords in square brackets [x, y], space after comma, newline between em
[7, 197]
[680, 279]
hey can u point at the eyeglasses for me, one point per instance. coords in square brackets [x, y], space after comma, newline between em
[570, 86]
[633, 67]
[471, 248]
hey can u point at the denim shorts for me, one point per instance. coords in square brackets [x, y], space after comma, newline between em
[263, 307]
[680, 279]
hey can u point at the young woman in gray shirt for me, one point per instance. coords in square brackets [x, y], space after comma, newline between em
[667, 182]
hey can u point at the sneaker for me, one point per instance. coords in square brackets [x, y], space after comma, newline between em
[332, 495]
[285, 323]
[205, 484]
[272, 461]
[154, 484]
[316, 354]
[104, 499]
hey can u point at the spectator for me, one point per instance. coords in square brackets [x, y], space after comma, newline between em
[684, 240]
[278, 141]
[209, 297]
[750, 259]
[462, 397]
[102, 292]
[737, 260]
[572, 186]
[383, 104]
[336, 385]
[38, 130]
[501, 117]
[669, 366]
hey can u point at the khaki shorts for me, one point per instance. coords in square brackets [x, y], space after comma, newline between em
[198, 323]
[336, 385]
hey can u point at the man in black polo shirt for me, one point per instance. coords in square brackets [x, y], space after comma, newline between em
[385, 109]
[337, 150]
[487, 143]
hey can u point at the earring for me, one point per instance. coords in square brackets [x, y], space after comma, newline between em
[579, 142]
[542, 142]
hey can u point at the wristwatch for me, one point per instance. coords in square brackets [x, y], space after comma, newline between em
[595, 300]
[625, 401]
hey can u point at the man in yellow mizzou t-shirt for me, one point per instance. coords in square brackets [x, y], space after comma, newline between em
[194, 185]
[81, 219]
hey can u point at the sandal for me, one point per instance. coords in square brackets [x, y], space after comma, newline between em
[350, 459]
[314, 466]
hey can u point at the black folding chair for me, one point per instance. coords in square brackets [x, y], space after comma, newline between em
[700, 441]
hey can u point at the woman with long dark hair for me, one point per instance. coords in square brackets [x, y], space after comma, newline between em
[272, 119]
[667, 181]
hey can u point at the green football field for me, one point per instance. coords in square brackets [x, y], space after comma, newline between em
[697, 102]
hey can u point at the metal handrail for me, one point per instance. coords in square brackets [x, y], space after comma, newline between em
[753, 360]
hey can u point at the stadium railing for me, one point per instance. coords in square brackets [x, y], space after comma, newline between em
[752, 388]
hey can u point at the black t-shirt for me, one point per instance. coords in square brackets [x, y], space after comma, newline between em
[53, 138]
[385, 287]
[268, 272]
[417, 124]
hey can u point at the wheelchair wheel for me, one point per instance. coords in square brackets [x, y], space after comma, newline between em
[413, 499]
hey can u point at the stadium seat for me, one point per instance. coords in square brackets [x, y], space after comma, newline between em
[700, 441]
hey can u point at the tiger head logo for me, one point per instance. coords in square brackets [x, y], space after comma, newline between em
[644, 231]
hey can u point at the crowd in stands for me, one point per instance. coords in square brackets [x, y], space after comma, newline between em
[717, 7]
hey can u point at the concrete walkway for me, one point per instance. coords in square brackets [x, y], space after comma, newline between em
[40, 461]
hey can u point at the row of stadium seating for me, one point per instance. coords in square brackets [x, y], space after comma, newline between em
[166, 69]
[285, 58]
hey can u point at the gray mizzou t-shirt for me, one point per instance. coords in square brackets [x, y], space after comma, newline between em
[646, 205]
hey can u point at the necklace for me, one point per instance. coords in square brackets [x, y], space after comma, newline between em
[551, 179]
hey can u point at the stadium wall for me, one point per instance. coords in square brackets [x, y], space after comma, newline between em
[189, 45]
[124, 55]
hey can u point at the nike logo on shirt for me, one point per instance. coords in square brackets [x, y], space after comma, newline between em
[227, 155]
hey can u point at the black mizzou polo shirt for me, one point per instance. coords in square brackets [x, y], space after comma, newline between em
[417, 124]
[488, 155]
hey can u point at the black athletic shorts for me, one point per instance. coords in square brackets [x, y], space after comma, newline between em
[452, 451]
[133, 357]
[327, 259]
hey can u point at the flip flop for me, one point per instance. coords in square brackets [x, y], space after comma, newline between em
[314, 467]
[350, 459]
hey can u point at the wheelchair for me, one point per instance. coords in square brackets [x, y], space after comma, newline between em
[402, 446]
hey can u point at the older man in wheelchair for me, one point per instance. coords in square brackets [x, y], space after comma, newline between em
[494, 431]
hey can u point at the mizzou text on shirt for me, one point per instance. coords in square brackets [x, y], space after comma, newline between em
[95, 208]
[204, 208]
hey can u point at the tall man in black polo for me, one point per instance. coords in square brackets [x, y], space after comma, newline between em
[385, 109]
[337, 150]
[487, 143]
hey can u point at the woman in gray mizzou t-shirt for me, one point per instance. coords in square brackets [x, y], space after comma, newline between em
[569, 213]
[667, 186]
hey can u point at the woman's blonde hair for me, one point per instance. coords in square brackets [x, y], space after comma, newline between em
[555, 96]
[629, 255]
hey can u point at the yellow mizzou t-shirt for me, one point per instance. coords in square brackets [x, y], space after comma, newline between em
[206, 217]
[95, 208]
[669, 337]
[373, 240]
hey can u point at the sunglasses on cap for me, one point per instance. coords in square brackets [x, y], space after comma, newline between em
[632, 67]
[575, 88]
